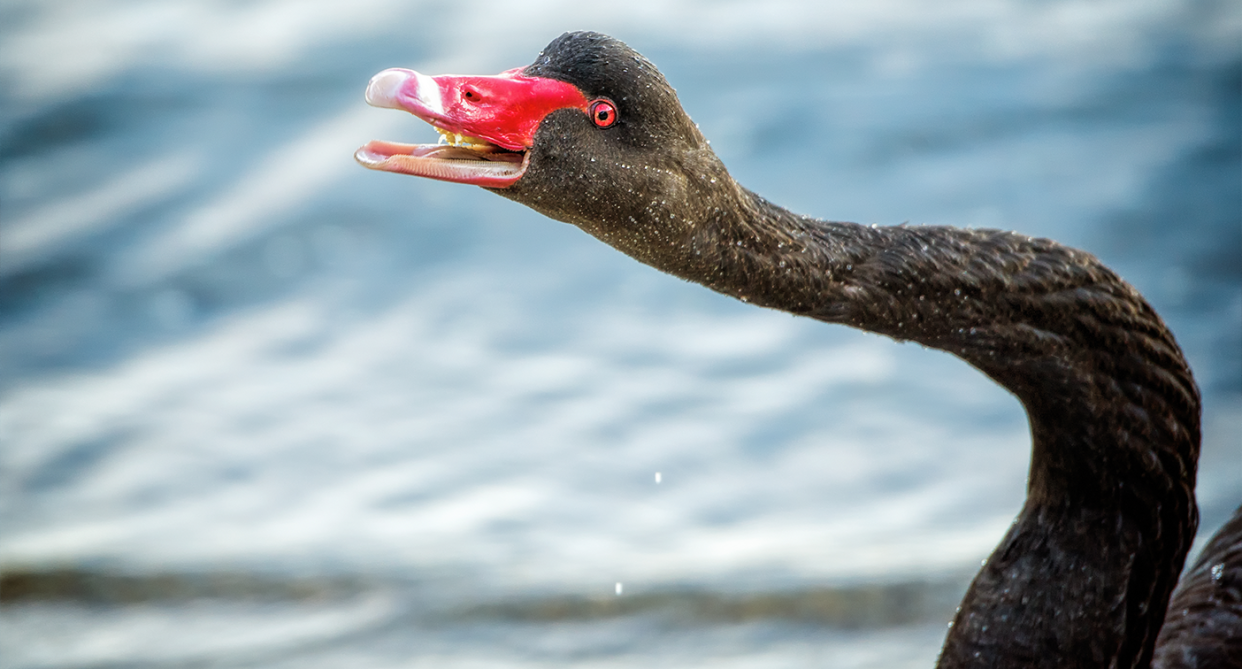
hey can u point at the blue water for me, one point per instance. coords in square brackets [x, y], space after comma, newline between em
[228, 352]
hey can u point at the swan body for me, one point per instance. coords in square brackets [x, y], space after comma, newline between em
[591, 134]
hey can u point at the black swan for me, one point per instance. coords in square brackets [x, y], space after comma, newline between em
[592, 134]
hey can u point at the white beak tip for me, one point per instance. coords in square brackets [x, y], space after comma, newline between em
[385, 88]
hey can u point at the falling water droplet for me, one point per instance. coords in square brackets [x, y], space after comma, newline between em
[658, 477]
[619, 589]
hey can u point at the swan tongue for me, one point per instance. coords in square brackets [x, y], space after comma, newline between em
[504, 110]
[478, 166]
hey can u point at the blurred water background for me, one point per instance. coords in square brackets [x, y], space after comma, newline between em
[262, 407]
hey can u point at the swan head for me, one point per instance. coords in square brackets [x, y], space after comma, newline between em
[590, 133]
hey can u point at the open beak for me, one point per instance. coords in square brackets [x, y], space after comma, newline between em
[486, 124]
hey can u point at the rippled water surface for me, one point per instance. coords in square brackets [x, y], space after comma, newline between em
[262, 407]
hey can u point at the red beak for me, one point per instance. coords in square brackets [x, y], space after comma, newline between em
[489, 123]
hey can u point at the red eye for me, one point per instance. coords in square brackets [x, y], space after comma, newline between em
[603, 113]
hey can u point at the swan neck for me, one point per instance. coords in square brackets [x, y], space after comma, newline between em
[1112, 405]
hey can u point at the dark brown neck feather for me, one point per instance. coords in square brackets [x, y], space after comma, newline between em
[1084, 575]
[1204, 624]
